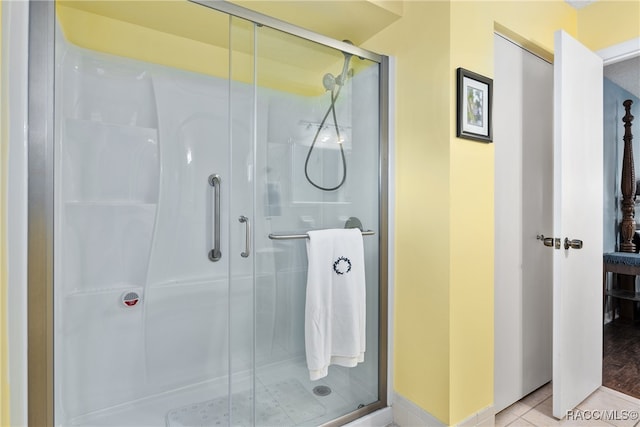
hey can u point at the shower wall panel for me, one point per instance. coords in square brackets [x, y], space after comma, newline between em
[106, 203]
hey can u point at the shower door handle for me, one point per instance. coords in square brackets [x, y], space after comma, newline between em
[247, 241]
[215, 254]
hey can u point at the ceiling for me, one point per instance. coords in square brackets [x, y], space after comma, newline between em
[579, 4]
[625, 74]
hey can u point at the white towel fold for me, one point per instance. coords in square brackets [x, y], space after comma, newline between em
[335, 306]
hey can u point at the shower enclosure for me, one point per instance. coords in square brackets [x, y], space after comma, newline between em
[180, 204]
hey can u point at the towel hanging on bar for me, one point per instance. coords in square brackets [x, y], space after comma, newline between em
[335, 305]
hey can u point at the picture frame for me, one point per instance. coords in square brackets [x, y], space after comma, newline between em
[474, 99]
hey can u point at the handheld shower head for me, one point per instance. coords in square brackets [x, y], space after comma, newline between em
[342, 78]
[329, 81]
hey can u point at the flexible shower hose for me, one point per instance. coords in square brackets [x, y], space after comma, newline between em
[332, 109]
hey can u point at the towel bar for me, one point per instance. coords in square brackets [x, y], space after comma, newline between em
[306, 236]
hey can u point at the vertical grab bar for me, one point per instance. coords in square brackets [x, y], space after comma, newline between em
[215, 254]
[247, 244]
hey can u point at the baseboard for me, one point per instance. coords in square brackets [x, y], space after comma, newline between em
[408, 414]
[380, 418]
[484, 417]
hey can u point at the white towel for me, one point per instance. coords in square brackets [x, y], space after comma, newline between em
[335, 307]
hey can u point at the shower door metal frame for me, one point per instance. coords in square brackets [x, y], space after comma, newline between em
[40, 225]
[40, 220]
[286, 27]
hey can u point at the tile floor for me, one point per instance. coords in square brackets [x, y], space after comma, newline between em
[605, 407]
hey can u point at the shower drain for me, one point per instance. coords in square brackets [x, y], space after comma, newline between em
[322, 390]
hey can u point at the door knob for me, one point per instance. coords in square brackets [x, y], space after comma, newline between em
[547, 241]
[573, 244]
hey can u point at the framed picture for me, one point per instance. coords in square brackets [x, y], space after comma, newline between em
[475, 95]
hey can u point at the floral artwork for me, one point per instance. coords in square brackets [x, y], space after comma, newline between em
[474, 106]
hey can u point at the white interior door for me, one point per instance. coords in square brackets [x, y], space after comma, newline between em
[577, 273]
[523, 135]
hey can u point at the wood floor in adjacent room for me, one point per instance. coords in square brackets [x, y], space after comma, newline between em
[621, 358]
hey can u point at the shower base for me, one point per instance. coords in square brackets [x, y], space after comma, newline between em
[283, 392]
[279, 404]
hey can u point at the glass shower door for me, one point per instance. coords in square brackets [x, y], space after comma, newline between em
[304, 155]
[242, 281]
[316, 166]
[143, 189]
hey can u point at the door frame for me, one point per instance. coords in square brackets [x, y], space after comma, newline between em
[620, 52]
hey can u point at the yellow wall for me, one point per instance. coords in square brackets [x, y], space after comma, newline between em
[4, 380]
[443, 349]
[471, 209]
[420, 43]
[608, 22]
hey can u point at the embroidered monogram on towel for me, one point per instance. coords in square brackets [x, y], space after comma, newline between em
[342, 265]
